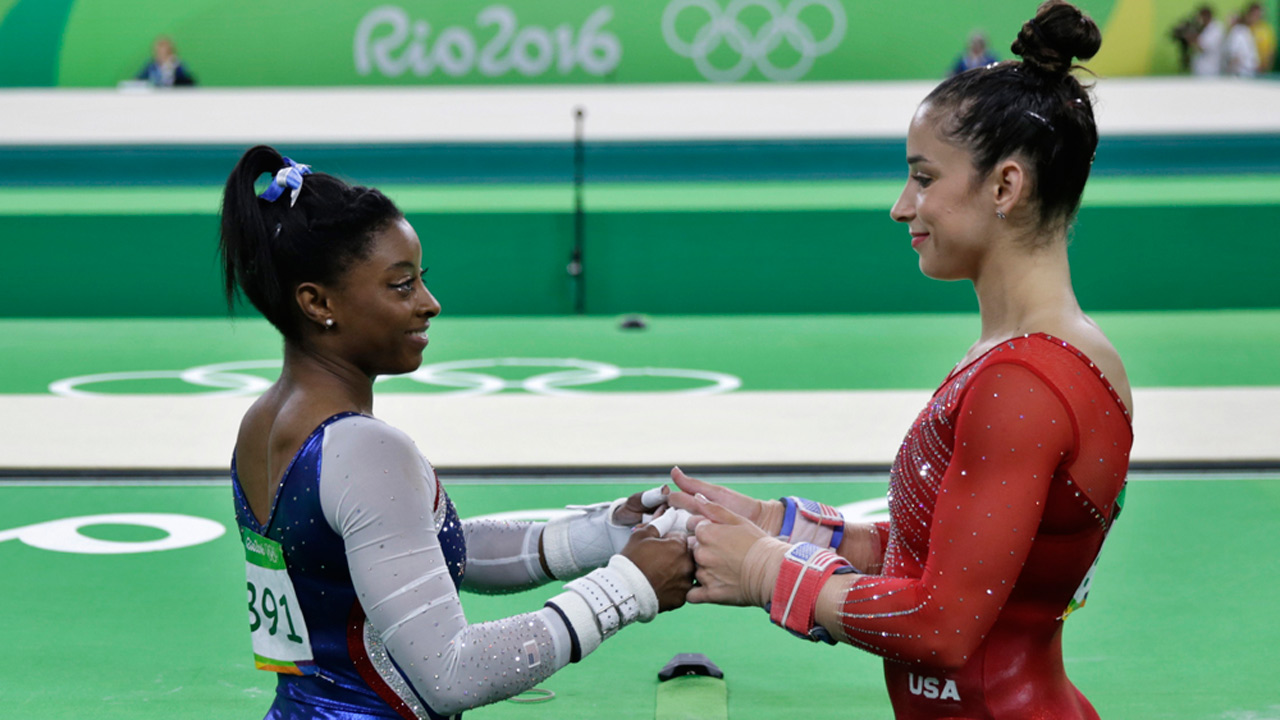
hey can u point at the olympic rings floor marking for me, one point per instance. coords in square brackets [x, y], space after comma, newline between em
[63, 535]
[724, 26]
[571, 375]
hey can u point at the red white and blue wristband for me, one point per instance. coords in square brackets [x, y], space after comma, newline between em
[805, 569]
[812, 522]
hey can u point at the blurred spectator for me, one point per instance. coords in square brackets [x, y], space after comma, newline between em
[1264, 36]
[1184, 34]
[976, 55]
[165, 68]
[1240, 53]
[1206, 46]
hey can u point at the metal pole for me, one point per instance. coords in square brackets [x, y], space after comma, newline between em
[576, 269]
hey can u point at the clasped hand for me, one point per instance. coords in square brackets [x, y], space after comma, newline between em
[737, 560]
[730, 548]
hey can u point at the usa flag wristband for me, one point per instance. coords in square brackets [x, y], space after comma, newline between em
[810, 521]
[805, 569]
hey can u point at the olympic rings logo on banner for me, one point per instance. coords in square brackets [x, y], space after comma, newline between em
[570, 377]
[724, 26]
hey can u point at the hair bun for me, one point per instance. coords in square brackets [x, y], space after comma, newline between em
[1057, 35]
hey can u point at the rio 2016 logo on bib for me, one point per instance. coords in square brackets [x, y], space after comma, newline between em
[280, 640]
[390, 42]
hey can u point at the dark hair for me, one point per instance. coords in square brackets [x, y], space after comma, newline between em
[1035, 108]
[269, 248]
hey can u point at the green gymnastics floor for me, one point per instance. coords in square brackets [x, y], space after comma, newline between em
[765, 352]
[1180, 624]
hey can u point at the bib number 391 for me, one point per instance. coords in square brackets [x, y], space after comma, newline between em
[280, 641]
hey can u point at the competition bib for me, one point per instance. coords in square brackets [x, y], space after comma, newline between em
[280, 641]
[1082, 593]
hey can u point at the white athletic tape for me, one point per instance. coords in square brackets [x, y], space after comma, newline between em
[653, 498]
[672, 521]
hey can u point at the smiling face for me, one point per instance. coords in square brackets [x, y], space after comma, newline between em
[948, 211]
[381, 308]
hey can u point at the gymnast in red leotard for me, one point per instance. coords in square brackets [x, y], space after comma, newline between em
[1011, 476]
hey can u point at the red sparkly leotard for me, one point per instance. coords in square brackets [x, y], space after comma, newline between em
[999, 499]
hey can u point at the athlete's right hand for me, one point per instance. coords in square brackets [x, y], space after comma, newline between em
[665, 562]
[765, 514]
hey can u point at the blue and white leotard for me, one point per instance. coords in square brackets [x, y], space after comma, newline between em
[376, 555]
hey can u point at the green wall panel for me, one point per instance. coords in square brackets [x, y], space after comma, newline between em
[498, 264]
[657, 261]
[758, 262]
[1123, 258]
[167, 265]
[94, 266]
[1178, 258]
[605, 162]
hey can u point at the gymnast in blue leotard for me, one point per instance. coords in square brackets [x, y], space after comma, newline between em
[354, 553]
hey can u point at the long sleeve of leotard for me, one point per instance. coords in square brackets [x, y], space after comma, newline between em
[1011, 432]
[379, 494]
[502, 556]
[863, 546]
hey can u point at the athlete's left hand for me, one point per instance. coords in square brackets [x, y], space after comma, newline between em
[633, 511]
[665, 563]
[737, 562]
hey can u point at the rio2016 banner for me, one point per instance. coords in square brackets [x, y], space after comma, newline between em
[97, 43]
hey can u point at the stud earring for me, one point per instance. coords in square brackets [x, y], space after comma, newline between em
[1000, 214]
[329, 323]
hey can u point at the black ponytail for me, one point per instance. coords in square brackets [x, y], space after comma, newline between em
[1035, 108]
[269, 247]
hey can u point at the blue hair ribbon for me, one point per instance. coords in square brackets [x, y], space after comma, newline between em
[289, 176]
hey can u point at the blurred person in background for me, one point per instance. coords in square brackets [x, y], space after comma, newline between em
[1264, 36]
[1240, 52]
[165, 69]
[976, 55]
[1184, 34]
[1206, 45]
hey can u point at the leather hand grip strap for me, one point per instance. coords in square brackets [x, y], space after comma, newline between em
[810, 521]
[805, 569]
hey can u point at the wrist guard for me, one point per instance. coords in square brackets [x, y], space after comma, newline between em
[812, 522]
[602, 602]
[805, 569]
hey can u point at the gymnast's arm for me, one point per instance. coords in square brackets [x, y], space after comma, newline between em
[863, 546]
[505, 556]
[1012, 431]
[376, 491]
